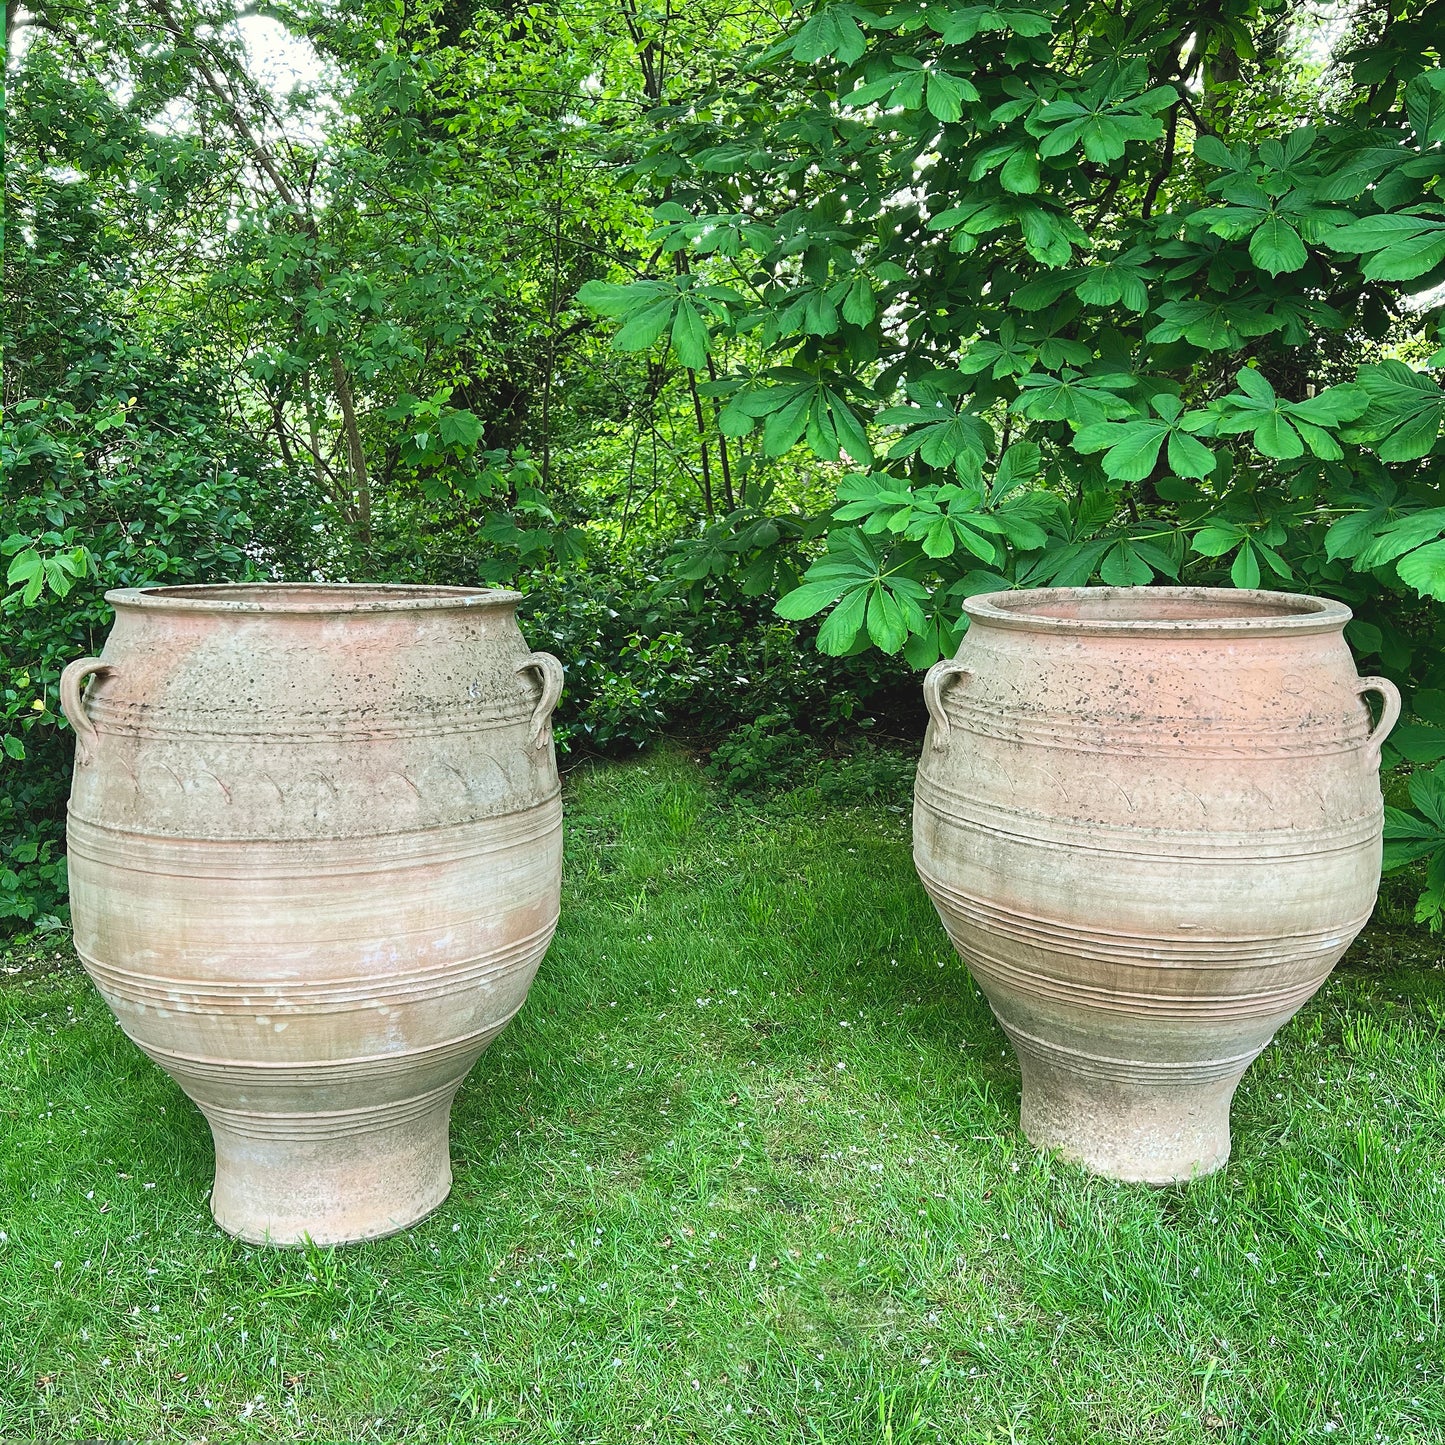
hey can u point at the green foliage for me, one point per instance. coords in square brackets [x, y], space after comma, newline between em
[1412, 836]
[878, 305]
[761, 756]
[330, 332]
[90, 500]
[869, 774]
[1415, 836]
[960, 233]
[641, 659]
[768, 755]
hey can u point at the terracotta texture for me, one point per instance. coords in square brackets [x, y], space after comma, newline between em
[315, 859]
[1150, 820]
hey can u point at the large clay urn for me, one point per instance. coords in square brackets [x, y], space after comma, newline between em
[1150, 820]
[315, 859]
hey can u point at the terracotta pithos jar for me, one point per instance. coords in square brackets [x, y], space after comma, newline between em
[1150, 820]
[315, 859]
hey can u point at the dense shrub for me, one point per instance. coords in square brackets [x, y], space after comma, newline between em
[91, 500]
[768, 756]
[762, 756]
[641, 659]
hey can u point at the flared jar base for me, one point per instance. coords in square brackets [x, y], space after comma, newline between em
[336, 1178]
[1148, 1132]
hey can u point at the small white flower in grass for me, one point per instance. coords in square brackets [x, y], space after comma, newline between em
[840, 1066]
[616, 1364]
[58, 1265]
[455, 1227]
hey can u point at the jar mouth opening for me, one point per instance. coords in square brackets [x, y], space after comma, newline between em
[328, 598]
[1158, 611]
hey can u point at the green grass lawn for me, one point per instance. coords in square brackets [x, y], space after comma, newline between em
[747, 1167]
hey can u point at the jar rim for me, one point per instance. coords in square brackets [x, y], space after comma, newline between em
[310, 598]
[1158, 611]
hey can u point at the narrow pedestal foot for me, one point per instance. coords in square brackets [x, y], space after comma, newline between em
[1152, 1132]
[331, 1178]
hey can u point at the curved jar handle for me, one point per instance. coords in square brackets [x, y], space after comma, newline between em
[72, 704]
[552, 675]
[1389, 696]
[933, 684]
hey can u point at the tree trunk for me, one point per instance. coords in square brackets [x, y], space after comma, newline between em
[356, 456]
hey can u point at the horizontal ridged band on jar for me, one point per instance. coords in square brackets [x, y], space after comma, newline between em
[1044, 908]
[1194, 978]
[1118, 1069]
[253, 860]
[990, 810]
[296, 1089]
[333, 723]
[382, 991]
[317, 1125]
[263, 788]
[457, 930]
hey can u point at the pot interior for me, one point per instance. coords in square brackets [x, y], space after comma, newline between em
[1160, 604]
